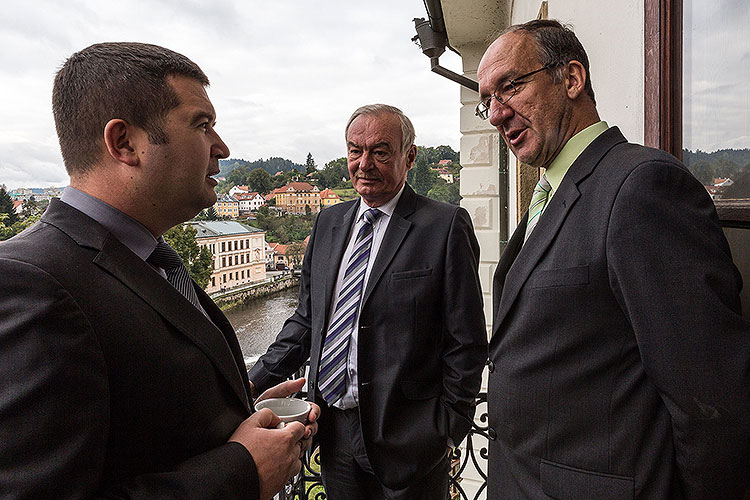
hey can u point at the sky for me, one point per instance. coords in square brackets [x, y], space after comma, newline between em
[285, 74]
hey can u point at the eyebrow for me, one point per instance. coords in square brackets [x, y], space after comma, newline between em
[203, 115]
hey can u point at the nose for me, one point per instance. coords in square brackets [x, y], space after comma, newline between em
[499, 113]
[219, 149]
[365, 161]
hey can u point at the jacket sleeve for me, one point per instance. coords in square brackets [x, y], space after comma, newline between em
[291, 348]
[54, 407]
[672, 272]
[465, 343]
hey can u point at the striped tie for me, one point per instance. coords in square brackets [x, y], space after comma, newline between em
[332, 374]
[165, 257]
[538, 202]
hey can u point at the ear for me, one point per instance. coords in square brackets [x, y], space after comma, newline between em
[119, 138]
[411, 156]
[576, 79]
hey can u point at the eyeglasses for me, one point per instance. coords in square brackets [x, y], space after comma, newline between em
[505, 92]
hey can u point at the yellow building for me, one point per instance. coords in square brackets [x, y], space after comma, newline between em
[296, 196]
[328, 198]
[239, 252]
[227, 206]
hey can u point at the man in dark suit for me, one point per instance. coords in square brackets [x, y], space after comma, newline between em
[116, 382]
[390, 314]
[618, 358]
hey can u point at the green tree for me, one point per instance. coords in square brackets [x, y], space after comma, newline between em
[294, 253]
[197, 260]
[442, 191]
[6, 207]
[259, 180]
[332, 174]
[310, 165]
[423, 178]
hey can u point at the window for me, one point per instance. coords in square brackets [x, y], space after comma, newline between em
[716, 98]
[223, 262]
[697, 95]
[213, 281]
[223, 246]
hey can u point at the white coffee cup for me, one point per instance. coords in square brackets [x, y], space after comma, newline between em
[287, 409]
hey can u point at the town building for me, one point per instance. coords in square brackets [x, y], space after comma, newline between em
[298, 197]
[239, 252]
[227, 206]
[249, 202]
[444, 174]
[238, 190]
[328, 198]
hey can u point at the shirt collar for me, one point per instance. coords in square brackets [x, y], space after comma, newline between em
[130, 232]
[570, 153]
[387, 208]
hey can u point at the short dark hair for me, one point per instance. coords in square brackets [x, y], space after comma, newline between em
[114, 80]
[557, 45]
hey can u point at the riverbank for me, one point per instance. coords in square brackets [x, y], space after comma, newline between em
[229, 299]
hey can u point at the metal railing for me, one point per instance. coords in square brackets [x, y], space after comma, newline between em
[308, 484]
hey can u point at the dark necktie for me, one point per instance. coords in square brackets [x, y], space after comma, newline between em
[332, 373]
[165, 257]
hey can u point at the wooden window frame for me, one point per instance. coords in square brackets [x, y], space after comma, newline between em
[663, 93]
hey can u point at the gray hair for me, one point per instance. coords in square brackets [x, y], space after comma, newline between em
[557, 45]
[407, 129]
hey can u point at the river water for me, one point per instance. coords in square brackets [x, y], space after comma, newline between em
[259, 321]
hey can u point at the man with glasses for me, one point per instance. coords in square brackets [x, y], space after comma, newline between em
[619, 361]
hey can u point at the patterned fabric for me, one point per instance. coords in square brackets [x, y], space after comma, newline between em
[332, 374]
[165, 257]
[538, 202]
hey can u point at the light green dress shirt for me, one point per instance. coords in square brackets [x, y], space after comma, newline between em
[570, 153]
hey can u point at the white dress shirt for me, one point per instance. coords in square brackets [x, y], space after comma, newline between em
[351, 396]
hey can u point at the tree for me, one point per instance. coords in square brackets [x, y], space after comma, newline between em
[310, 165]
[423, 179]
[197, 260]
[259, 180]
[448, 193]
[6, 207]
[294, 253]
[332, 173]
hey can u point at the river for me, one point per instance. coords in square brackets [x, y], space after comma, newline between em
[259, 321]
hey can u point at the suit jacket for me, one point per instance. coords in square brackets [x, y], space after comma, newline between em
[422, 339]
[619, 360]
[113, 384]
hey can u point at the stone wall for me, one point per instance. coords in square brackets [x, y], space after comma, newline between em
[231, 298]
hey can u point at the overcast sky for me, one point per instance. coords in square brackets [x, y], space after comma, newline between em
[285, 74]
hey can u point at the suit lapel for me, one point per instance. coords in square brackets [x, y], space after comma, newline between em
[134, 273]
[551, 220]
[394, 235]
[337, 246]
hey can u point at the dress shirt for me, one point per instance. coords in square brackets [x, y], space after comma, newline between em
[351, 396]
[127, 230]
[569, 154]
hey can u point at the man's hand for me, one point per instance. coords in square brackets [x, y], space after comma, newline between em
[276, 452]
[288, 388]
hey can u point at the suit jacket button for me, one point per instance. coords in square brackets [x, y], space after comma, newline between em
[490, 365]
[492, 434]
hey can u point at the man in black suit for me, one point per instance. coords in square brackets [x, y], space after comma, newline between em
[390, 314]
[116, 382]
[618, 358]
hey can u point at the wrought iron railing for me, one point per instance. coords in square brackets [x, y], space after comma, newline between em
[308, 484]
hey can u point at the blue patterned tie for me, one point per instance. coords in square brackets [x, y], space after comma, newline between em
[165, 257]
[538, 202]
[332, 374]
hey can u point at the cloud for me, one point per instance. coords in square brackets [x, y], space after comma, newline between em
[285, 76]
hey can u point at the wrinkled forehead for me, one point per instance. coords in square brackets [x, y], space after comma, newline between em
[507, 57]
[375, 128]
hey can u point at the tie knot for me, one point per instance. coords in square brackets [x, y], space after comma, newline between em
[164, 256]
[372, 215]
[543, 184]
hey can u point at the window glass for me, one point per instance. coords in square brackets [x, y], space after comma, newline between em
[716, 97]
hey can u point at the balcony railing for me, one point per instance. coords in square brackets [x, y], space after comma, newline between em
[308, 484]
